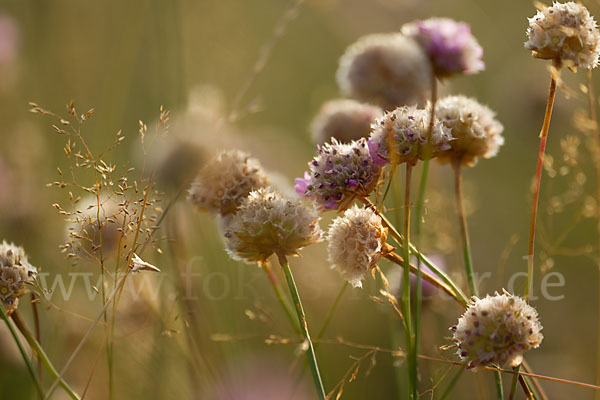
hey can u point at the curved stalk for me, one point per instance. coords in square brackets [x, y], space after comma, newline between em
[282, 300]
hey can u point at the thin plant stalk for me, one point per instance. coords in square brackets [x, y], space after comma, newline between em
[452, 383]
[513, 386]
[35, 346]
[538, 182]
[332, 310]
[464, 231]
[310, 351]
[499, 388]
[38, 331]
[34, 377]
[282, 300]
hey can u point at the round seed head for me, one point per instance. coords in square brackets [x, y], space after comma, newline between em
[268, 223]
[225, 181]
[344, 120]
[356, 241]
[15, 273]
[497, 330]
[338, 174]
[449, 44]
[403, 136]
[566, 33]
[389, 70]
[476, 132]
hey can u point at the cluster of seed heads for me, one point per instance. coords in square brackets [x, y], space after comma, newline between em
[15, 274]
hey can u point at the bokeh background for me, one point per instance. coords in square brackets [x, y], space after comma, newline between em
[126, 59]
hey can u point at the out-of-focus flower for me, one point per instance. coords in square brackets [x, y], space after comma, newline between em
[402, 136]
[389, 70]
[476, 132]
[15, 274]
[338, 173]
[344, 120]
[356, 242]
[497, 330]
[449, 44]
[268, 223]
[566, 33]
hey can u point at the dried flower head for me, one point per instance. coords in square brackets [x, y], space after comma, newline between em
[15, 273]
[566, 33]
[497, 330]
[449, 44]
[344, 120]
[338, 174]
[474, 128]
[405, 131]
[356, 243]
[225, 181]
[389, 70]
[268, 223]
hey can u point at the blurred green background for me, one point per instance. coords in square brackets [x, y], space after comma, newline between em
[126, 58]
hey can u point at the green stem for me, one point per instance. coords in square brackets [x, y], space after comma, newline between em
[462, 218]
[513, 386]
[538, 182]
[499, 388]
[282, 300]
[35, 346]
[310, 351]
[332, 310]
[34, 377]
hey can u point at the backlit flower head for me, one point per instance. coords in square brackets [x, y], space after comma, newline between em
[268, 223]
[476, 132]
[339, 173]
[566, 33]
[225, 181]
[344, 120]
[497, 330]
[449, 44]
[356, 243]
[389, 70]
[402, 136]
[15, 273]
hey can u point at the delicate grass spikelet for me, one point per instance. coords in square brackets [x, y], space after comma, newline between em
[389, 70]
[338, 174]
[449, 44]
[268, 223]
[474, 128]
[344, 120]
[225, 181]
[566, 33]
[405, 131]
[15, 273]
[356, 243]
[497, 330]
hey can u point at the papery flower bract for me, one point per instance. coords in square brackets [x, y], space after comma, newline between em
[389, 70]
[15, 273]
[449, 44]
[476, 132]
[356, 243]
[225, 181]
[268, 223]
[565, 32]
[341, 171]
[402, 136]
[497, 330]
[344, 120]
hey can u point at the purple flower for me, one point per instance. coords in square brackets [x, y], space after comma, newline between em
[449, 44]
[338, 173]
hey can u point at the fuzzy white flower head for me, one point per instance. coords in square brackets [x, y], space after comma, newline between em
[344, 120]
[566, 33]
[356, 243]
[225, 181]
[15, 273]
[497, 330]
[268, 223]
[389, 70]
[476, 132]
[402, 136]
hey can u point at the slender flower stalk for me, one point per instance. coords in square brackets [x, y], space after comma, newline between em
[310, 351]
[282, 300]
[331, 311]
[462, 219]
[538, 182]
